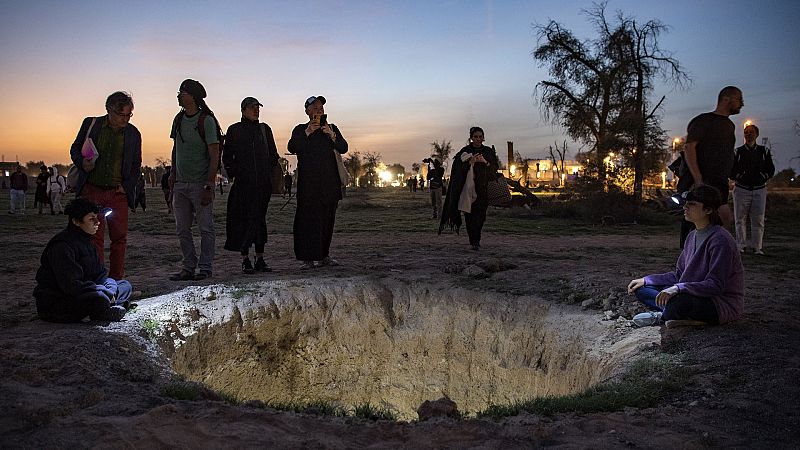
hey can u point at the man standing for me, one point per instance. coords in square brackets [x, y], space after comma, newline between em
[319, 187]
[56, 186]
[109, 180]
[752, 167]
[435, 175]
[195, 159]
[19, 186]
[708, 155]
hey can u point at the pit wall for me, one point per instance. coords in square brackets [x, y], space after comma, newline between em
[379, 341]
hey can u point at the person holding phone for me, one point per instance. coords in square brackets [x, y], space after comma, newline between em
[319, 187]
[473, 166]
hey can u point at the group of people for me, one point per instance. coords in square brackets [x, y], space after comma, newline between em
[108, 153]
[50, 187]
[707, 285]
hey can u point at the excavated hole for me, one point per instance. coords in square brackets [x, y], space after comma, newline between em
[357, 341]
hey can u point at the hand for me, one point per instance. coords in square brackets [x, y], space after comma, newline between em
[635, 284]
[664, 296]
[120, 189]
[207, 197]
[479, 159]
[105, 291]
[329, 131]
[88, 165]
[312, 127]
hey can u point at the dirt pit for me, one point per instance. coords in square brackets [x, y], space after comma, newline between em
[356, 341]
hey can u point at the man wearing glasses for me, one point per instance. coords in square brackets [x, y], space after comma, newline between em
[108, 154]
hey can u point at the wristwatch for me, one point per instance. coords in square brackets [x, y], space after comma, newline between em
[208, 187]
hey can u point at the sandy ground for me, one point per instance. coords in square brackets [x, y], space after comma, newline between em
[77, 386]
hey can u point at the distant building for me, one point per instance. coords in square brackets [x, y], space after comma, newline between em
[544, 172]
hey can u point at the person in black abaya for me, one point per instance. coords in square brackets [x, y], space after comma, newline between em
[249, 157]
[484, 164]
[319, 187]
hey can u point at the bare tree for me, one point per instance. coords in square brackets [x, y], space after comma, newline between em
[558, 163]
[353, 165]
[598, 91]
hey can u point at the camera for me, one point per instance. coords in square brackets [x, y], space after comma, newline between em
[428, 160]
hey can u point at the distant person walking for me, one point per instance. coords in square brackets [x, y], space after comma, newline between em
[473, 167]
[141, 195]
[435, 183]
[166, 189]
[19, 186]
[250, 155]
[752, 168]
[56, 186]
[40, 197]
[708, 154]
[195, 160]
[109, 179]
[287, 184]
[319, 187]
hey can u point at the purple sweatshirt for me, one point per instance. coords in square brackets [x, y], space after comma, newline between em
[713, 270]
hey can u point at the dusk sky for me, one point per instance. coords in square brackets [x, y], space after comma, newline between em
[397, 74]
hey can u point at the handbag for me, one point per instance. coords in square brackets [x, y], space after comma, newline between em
[89, 152]
[344, 177]
[276, 175]
[497, 192]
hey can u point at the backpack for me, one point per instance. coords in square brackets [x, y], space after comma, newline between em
[201, 130]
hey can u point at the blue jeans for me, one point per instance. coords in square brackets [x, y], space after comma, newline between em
[680, 307]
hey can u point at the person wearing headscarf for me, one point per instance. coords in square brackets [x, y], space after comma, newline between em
[473, 167]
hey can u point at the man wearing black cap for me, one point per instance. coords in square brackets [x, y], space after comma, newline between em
[195, 159]
[250, 156]
[319, 186]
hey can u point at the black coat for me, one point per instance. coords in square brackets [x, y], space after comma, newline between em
[70, 268]
[317, 171]
[248, 159]
[451, 216]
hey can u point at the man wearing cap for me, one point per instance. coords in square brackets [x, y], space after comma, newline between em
[108, 178]
[250, 155]
[319, 187]
[195, 159]
[708, 155]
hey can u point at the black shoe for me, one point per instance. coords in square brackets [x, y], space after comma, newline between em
[261, 265]
[112, 314]
[183, 275]
[202, 275]
[247, 266]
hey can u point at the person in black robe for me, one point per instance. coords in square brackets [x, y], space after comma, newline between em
[319, 187]
[485, 164]
[40, 198]
[72, 282]
[250, 155]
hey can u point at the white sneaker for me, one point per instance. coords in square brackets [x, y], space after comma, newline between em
[646, 319]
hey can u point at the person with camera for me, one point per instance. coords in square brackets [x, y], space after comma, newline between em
[707, 286]
[473, 167]
[72, 281]
[319, 186]
[435, 175]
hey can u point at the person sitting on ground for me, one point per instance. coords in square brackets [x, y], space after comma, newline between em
[72, 282]
[707, 286]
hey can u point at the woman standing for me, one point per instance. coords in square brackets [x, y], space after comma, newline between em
[319, 185]
[40, 197]
[473, 167]
[249, 157]
[707, 287]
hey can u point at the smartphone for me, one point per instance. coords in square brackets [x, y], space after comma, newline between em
[323, 120]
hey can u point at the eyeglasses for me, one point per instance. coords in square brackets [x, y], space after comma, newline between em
[119, 114]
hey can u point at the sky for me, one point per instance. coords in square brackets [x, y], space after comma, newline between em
[397, 74]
